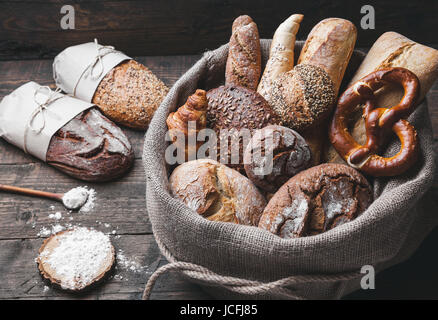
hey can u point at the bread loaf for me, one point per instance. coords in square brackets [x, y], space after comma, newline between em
[316, 200]
[129, 94]
[90, 147]
[330, 45]
[217, 192]
[281, 55]
[274, 155]
[243, 66]
[391, 50]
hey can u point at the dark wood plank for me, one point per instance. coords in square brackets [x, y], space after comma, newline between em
[32, 28]
[121, 203]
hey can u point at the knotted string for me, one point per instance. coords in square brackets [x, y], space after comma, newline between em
[51, 97]
[101, 51]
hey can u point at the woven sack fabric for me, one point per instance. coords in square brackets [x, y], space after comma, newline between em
[235, 261]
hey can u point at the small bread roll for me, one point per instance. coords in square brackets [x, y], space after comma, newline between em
[302, 97]
[231, 109]
[274, 155]
[217, 192]
[281, 55]
[391, 50]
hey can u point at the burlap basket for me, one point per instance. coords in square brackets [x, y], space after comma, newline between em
[235, 261]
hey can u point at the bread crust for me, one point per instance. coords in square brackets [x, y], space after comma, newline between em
[236, 108]
[129, 95]
[290, 155]
[281, 55]
[90, 147]
[316, 200]
[330, 45]
[243, 66]
[217, 192]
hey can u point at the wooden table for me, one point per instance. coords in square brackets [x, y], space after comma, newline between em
[120, 211]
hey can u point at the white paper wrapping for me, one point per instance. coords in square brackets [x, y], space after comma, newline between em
[79, 69]
[28, 122]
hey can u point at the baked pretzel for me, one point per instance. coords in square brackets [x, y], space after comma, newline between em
[378, 123]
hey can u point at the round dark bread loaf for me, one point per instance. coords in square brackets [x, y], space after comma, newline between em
[217, 192]
[316, 200]
[91, 147]
[302, 97]
[290, 155]
[235, 108]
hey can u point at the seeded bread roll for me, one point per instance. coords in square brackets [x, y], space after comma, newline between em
[330, 45]
[217, 192]
[234, 108]
[316, 200]
[274, 155]
[243, 66]
[90, 147]
[281, 54]
[302, 97]
[129, 95]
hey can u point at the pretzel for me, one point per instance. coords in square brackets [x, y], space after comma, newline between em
[378, 123]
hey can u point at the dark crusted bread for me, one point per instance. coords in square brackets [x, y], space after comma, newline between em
[216, 192]
[129, 94]
[302, 97]
[316, 200]
[90, 147]
[244, 56]
[289, 151]
[234, 108]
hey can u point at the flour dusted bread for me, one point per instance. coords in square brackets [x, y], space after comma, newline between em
[316, 200]
[90, 147]
[234, 112]
[129, 94]
[217, 192]
[274, 155]
[391, 50]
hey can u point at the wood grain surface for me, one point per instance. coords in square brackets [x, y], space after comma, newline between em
[120, 212]
[31, 29]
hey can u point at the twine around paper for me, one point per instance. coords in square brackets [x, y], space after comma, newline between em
[101, 51]
[51, 97]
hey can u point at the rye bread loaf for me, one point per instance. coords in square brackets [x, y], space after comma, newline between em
[90, 147]
[316, 200]
[274, 155]
[129, 94]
